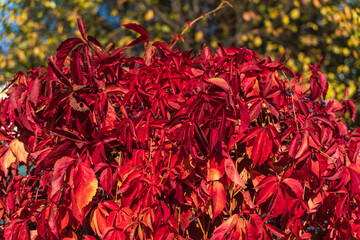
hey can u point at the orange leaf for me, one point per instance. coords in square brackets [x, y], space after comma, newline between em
[33, 234]
[18, 149]
[64, 221]
[219, 198]
[148, 54]
[220, 82]
[1, 209]
[215, 171]
[6, 160]
[98, 222]
[85, 185]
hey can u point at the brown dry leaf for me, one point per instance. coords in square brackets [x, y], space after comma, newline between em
[245, 175]
[314, 203]
[77, 104]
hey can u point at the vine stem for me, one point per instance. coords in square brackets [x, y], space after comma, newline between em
[188, 25]
[168, 167]
[327, 156]
[117, 184]
[292, 100]
[202, 229]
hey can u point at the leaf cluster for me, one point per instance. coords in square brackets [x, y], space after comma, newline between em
[175, 145]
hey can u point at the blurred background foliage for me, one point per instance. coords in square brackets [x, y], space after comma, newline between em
[30, 30]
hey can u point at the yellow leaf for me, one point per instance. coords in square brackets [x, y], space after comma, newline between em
[11, 63]
[352, 88]
[149, 15]
[257, 41]
[2, 64]
[347, 12]
[295, 13]
[244, 38]
[199, 36]
[346, 52]
[273, 14]
[286, 20]
[21, 55]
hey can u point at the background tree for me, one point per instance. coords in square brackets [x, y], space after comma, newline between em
[308, 29]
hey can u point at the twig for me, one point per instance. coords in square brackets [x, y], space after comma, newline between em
[188, 25]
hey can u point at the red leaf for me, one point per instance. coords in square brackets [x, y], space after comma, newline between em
[339, 208]
[81, 27]
[65, 48]
[224, 230]
[206, 54]
[306, 236]
[268, 187]
[274, 230]
[294, 185]
[144, 37]
[352, 109]
[3, 138]
[294, 144]
[278, 206]
[219, 198]
[34, 93]
[59, 171]
[59, 76]
[112, 233]
[304, 145]
[88, 237]
[201, 140]
[255, 110]
[261, 149]
[232, 173]
[106, 180]
[185, 219]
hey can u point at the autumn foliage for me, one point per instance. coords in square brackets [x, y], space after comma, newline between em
[175, 145]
